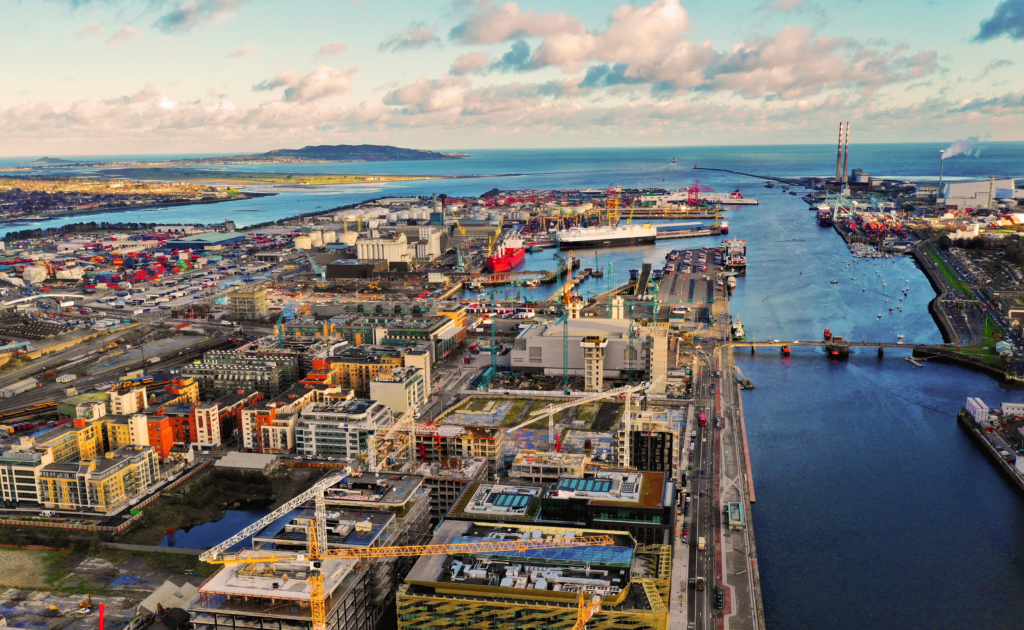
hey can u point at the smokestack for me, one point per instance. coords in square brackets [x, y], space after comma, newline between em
[846, 151]
[942, 162]
[839, 152]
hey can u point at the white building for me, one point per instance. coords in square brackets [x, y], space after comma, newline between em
[394, 249]
[401, 389]
[977, 409]
[35, 274]
[983, 194]
[429, 245]
[1013, 409]
[339, 429]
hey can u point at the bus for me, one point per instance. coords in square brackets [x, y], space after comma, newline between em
[703, 420]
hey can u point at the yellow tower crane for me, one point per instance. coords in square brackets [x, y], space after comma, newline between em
[318, 552]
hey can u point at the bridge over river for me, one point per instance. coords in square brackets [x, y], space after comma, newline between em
[835, 347]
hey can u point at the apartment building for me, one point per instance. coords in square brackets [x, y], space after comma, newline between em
[222, 372]
[270, 427]
[19, 470]
[248, 304]
[99, 484]
[127, 401]
[401, 389]
[339, 429]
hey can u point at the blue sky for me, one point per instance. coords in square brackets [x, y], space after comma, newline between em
[171, 76]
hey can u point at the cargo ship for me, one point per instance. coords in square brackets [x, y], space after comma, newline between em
[824, 216]
[508, 252]
[505, 259]
[606, 236]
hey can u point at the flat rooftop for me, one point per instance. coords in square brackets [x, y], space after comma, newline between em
[373, 491]
[280, 580]
[497, 501]
[345, 528]
[603, 570]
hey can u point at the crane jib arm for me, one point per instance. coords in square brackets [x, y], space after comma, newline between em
[214, 553]
[517, 546]
[497, 546]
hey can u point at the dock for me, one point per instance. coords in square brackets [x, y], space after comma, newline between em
[664, 235]
[979, 438]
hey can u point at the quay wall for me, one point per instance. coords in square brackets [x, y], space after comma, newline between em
[949, 335]
[1004, 466]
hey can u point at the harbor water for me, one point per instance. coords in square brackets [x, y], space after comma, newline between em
[874, 509]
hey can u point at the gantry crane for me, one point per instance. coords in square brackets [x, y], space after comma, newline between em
[318, 551]
[552, 410]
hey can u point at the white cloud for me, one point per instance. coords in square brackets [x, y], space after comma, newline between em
[245, 51]
[122, 35]
[329, 50]
[189, 14]
[323, 82]
[468, 63]
[94, 29]
[415, 37]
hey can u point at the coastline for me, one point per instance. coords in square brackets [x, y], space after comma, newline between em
[75, 213]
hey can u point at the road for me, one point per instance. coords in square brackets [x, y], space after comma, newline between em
[702, 518]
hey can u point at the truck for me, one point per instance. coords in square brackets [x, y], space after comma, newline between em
[153, 360]
[701, 544]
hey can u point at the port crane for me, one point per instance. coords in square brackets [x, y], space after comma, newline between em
[318, 552]
[694, 191]
[552, 410]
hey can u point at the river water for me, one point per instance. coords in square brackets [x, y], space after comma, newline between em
[874, 509]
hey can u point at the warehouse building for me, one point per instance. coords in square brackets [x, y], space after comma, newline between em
[348, 269]
[207, 240]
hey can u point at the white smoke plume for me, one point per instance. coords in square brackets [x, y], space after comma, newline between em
[965, 146]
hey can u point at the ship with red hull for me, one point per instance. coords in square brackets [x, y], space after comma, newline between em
[508, 251]
[506, 259]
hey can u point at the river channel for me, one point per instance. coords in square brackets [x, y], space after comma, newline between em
[874, 509]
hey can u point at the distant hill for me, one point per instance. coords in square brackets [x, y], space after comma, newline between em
[50, 160]
[339, 153]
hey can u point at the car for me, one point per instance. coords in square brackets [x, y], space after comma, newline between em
[703, 471]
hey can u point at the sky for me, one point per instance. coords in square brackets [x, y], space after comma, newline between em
[94, 77]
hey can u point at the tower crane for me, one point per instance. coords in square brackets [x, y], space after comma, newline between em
[317, 269]
[318, 551]
[552, 410]
[492, 371]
